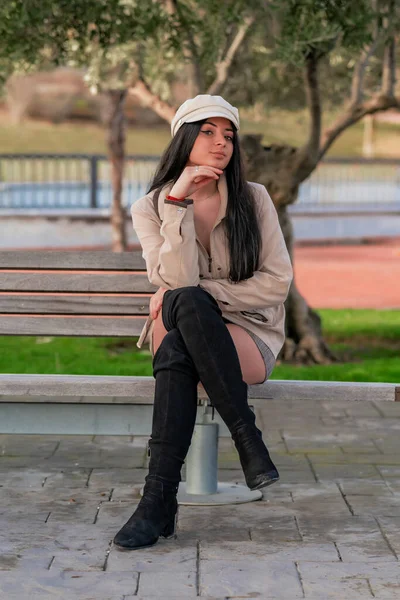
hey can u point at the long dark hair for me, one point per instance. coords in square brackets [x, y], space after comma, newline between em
[241, 224]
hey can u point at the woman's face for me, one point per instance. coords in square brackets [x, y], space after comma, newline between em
[214, 144]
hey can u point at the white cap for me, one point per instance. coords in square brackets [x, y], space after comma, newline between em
[202, 107]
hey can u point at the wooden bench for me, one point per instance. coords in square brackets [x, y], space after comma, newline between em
[103, 294]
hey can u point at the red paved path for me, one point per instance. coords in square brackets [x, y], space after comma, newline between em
[364, 276]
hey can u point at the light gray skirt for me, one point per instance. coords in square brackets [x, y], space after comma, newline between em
[268, 357]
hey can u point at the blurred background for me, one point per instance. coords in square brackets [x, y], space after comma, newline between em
[87, 92]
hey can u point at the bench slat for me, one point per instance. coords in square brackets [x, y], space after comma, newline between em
[75, 282]
[48, 259]
[123, 386]
[74, 304]
[118, 326]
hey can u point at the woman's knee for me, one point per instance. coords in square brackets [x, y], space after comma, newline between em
[190, 292]
[188, 297]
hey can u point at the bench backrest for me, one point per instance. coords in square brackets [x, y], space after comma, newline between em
[73, 293]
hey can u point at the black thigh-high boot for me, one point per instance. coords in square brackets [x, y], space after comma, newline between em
[196, 314]
[174, 415]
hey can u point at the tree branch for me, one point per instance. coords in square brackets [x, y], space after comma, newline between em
[152, 101]
[376, 104]
[194, 53]
[385, 99]
[223, 66]
[389, 69]
[307, 155]
[360, 68]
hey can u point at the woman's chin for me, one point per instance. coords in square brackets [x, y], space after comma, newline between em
[216, 162]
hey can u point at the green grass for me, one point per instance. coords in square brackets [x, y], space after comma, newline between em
[278, 126]
[367, 343]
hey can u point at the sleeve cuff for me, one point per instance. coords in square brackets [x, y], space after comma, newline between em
[185, 202]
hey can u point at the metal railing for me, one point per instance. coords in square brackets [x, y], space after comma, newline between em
[81, 181]
[351, 186]
[68, 181]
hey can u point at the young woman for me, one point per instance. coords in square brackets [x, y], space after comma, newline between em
[213, 245]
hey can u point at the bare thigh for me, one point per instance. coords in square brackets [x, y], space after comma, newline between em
[251, 361]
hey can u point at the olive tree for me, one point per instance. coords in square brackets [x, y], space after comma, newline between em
[102, 36]
[308, 34]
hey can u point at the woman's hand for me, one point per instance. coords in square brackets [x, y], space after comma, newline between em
[156, 302]
[191, 180]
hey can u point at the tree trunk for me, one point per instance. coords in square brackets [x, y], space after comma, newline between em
[115, 120]
[275, 168]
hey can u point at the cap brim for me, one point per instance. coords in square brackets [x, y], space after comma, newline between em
[208, 115]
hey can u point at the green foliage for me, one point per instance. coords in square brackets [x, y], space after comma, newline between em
[166, 42]
[316, 26]
[48, 33]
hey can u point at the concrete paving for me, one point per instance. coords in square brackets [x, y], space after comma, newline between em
[330, 529]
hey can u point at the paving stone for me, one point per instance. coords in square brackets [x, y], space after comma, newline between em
[337, 472]
[24, 478]
[321, 491]
[115, 513]
[380, 425]
[385, 506]
[356, 538]
[324, 581]
[318, 500]
[388, 471]
[56, 539]
[340, 420]
[28, 445]
[276, 529]
[114, 442]
[79, 561]
[391, 529]
[355, 458]
[388, 444]
[235, 523]
[250, 552]
[71, 478]
[247, 579]
[116, 476]
[178, 584]
[363, 487]
[15, 462]
[386, 590]
[84, 585]
[364, 447]
[166, 556]
[127, 493]
[76, 505]
[17, 563]
[302, 474]
[320, 440]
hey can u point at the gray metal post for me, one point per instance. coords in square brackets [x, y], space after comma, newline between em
[202, 460]
[201, 487]
[93, 181]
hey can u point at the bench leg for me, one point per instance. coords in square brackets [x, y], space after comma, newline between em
[201, 486]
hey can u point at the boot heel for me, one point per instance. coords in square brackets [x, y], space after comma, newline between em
[170, 528]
